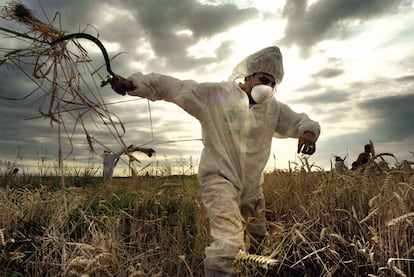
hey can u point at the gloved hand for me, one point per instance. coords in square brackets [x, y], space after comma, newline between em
[121, 85]
[306, 143]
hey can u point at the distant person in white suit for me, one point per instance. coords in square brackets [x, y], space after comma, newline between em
[340, 164]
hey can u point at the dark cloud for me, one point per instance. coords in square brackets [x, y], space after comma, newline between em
[405, 79]
[330, 96]
[330, 19]
[161, 21]
[157, 22]
[380, 110]
[393, 114]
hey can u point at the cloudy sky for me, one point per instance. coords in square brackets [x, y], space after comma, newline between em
[348, 64]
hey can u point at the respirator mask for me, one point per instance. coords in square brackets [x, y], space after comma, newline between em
[261, 93]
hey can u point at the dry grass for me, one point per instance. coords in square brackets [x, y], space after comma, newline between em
[124, 230]
[320, 224]
[342, 224]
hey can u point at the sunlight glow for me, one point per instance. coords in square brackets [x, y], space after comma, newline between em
[241, 37]
[184, 32]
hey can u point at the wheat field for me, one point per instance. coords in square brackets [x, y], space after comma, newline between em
[359, 223]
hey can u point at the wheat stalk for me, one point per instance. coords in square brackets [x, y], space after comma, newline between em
[2, 241]
[232, 220]
[391, 264]
[396, 220]
[182, 258]
[245, 259]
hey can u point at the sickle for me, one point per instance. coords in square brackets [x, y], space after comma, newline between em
[100, 45]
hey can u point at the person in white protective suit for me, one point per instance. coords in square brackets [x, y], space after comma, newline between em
[238, 123]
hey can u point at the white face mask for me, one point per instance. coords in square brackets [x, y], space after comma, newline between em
[260, 93]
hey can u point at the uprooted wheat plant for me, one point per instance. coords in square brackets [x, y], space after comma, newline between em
[359, 223]
[63, 76]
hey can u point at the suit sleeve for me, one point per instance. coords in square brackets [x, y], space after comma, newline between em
[292, 124]
[188, 94]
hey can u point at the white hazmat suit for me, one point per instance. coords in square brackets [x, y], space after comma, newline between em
[237, 140]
